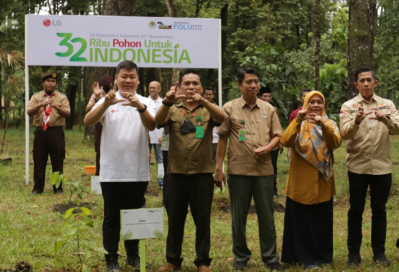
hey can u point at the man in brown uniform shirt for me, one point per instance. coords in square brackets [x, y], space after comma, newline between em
[50, 140]
[190, 167]
[366, 122]
[254, 130]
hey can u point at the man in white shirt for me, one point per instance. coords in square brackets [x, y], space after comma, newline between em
[156, 102]
[125, 170]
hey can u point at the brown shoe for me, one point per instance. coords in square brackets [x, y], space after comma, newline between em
[204, 268]
[168, 267]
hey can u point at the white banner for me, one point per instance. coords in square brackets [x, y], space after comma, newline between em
[107, 40]
[142, 224]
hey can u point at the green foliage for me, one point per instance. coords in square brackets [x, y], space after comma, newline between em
[76, 188]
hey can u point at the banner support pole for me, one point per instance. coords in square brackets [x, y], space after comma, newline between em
[220, 65]
[26, 103]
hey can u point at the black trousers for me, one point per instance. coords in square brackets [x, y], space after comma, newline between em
[51, 141]
[274, 154]
[119, 196]
[97, 142]
[380, 185]
[165, 163]
[179, 191]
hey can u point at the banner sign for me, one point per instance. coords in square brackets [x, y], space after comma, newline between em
[142, 224]
[104, 41]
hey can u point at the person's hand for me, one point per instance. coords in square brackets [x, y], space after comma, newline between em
[261, 152]
[197, 98]
[316, 119]
[160, 141]
[219, 179]
[133, 101]
[280, 145]
[360, 114]
[302, 115]
[379, 116]
[97, 90]
[45, 103]
[110, 97]
[171, 96]
[55, 105]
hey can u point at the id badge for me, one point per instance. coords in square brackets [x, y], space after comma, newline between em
[241, 135]
[199, 132]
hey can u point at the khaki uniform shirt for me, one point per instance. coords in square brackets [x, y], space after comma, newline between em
[56, 119]
[367, 144]
[188, 155]
[261, 125]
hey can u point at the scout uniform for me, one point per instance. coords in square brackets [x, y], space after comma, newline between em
[249, 176]
[50, 141]
[369, 163]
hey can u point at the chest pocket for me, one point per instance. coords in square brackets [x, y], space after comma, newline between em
[176, 121]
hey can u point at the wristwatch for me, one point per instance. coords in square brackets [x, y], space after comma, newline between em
[143, 110]
[166, 103]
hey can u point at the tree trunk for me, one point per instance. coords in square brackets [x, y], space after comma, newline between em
[118, 7]
[317, 51]
[71, 94]
[1, 94]
[362, 16]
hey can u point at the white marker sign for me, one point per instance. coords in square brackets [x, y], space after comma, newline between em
[142, 224]
[95, 185]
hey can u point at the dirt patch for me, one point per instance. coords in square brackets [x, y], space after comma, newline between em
[62, 208]
[20, 266]
[225, 207]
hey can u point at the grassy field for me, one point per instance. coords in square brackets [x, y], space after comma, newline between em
[29, 225]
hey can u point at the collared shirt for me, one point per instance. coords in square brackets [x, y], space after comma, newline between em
[124, 143]
[294, 114]
[261, 125]
[157, 132]
[368, 144]
[187, 154]
[56, 119]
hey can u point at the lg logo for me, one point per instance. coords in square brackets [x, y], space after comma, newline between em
[47, 23]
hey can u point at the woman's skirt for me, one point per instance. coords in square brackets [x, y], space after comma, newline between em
[308, 233]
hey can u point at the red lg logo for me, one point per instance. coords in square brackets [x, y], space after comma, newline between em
[46, 22]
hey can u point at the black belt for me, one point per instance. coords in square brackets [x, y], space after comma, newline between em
[41, 128]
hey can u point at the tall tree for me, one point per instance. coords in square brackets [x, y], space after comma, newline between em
[317, 51]
[362, 17]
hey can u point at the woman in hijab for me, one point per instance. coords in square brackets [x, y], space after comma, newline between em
[308, 223]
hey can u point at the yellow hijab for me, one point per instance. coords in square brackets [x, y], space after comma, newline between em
[310, 143]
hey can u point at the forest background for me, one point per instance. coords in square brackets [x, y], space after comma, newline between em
[294, 44]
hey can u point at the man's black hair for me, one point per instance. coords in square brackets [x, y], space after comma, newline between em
[128, 65]
[209, 88]
[189, 71]
[306, 90]
[241, 73]
[362, 70]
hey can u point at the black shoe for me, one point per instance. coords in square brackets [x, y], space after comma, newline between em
[381, 259]
[354, 260]
[133, 260]
[113, 266]
[237, 265]
[275, 266]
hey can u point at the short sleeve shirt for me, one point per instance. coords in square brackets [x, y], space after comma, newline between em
[187, 154]
[261, 125]
[124, 143]
[157, 132]
[56, 120]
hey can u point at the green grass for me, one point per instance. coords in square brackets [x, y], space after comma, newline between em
[29, 226]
